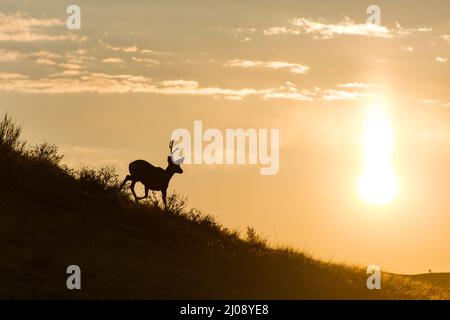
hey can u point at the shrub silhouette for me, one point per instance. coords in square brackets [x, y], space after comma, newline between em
[45, 152]
[254, 239]
[10, 142]
[102, 179]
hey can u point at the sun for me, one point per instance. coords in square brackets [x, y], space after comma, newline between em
[378, 183]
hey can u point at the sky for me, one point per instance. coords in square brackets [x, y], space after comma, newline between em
[114, 90]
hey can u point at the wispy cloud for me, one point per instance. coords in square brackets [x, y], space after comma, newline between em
[20, 27]
[126, 83]
[125, 49]
[7, 56]
[69, 72]
[112, 60]
[157, 52]
[288, 95]
[134, 49]
[441, 59]
[355, 85]
[292, 67]
[327, 31]
[322, 30]
[45, 54]
[400, 31]
[41, 57]
[339, 95]
[409, 49]
[45, 61]
[72, 66]
[12, 76]
[78, 81]
[148, 62]
[436, 102]
[118, 48]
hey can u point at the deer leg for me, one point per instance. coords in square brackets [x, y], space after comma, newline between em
[134, 192]
[164, 194]
[146, 194]
[127, 178]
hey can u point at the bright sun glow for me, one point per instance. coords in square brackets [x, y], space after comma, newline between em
[378, 184]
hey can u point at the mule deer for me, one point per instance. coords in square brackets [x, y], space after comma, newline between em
[153, 178]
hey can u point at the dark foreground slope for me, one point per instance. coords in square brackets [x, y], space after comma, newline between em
[51, 218]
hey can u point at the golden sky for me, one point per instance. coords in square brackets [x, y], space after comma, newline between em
[113, 92]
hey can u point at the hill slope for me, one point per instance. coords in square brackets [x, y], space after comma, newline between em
[440, 278]
[52, 217]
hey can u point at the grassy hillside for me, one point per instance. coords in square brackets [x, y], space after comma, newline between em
[52, 217]
[440, 278]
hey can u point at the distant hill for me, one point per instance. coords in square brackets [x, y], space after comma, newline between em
[440, 278]
[52, 217]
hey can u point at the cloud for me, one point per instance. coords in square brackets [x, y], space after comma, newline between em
[321, 30]
[12, 76]
[441, 59]
[41, 57]
[297, 96]
[123, 49]
[124, 83]
[45, 54]
[134, 49]
[400, 31]
[71, 72]
[328, 31]
[192, 87]
[158, 53]
[45, 57]
[20, 27]
[409, 49]
[339, 95]
[436, 102]
[78, 57]
[355, 85]
[148, 62]
[292, 67]
[89, 82]
[45, 61]
[112, 60]
[71, 66]
[70, 60]
[8, 56]
[77, 81]
[281, 30]
[186, 84]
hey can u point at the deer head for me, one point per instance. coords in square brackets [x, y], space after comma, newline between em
[174, 164]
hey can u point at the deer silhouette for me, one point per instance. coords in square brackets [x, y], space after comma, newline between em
[153, 178]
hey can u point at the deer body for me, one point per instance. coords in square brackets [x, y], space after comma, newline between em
[153, 178]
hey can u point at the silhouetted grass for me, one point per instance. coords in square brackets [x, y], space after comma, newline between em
[52, 216]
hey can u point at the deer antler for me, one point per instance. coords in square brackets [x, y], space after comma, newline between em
[179, 161]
